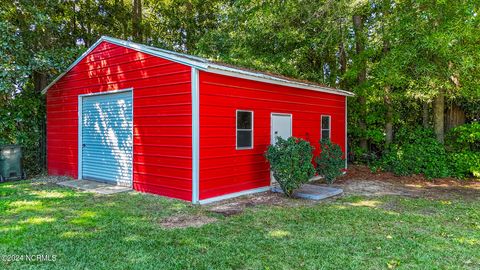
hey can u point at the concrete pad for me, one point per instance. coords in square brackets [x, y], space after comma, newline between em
[95, 187]
[313, 192]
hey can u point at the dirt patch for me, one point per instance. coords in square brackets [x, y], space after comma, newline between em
[393, 206]
[360, 172]
[429, 211]
[238, 205]
[361, 181]
[373, 188]
[227, 209]
[49, 179]
[186, 221]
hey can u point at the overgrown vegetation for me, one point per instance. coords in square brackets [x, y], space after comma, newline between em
[465, 164]
[463, 145]
[416, 152]
[410, 63]
[291, 163]
[330, 162]
[22, 122]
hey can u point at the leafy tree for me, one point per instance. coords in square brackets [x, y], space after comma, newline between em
[180, 24]
[409, 62]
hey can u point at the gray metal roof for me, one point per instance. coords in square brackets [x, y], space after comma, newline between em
[206, 65]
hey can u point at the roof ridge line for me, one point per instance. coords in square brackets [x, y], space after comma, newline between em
[205, 65]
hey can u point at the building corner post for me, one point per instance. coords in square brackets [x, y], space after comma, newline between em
[346, 133]
[195, 135]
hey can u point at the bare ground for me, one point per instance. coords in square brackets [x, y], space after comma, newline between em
[237, 205]
[186, 221]
[361, 181]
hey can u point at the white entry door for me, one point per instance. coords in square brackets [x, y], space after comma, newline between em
[281, 126]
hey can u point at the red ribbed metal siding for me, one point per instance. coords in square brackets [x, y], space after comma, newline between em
[162, 152]
[223, 169]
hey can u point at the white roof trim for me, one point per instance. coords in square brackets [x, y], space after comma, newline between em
[202, 64]
[261, 77]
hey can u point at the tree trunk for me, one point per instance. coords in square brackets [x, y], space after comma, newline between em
[188, 28]
[74, 24]
[343, 58]
[388, 116]
[343, 63]
[387, 99]
[455, 117]
[425, 115]
[361, 78]
[137, 20]
[88, 39]
[439, 115]
[39, 81]
[359, 46]
[120, 5]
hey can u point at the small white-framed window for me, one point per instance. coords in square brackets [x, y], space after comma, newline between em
[244, 129]
[325, 127]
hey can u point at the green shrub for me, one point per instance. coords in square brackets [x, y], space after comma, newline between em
[330, 162]
[464, 138]
[21, 123]
[291, 163]
[463, 146]
[415, 152]
[464, 164]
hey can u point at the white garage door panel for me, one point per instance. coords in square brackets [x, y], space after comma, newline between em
[107, 138]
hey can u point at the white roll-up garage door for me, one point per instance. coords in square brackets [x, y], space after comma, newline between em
[107, 135]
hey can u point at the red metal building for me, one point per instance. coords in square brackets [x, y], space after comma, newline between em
[178, 125]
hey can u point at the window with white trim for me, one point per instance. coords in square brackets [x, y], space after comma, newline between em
[325, 127]
[244, 129]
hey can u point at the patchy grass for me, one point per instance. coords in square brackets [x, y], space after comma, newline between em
[124, 231]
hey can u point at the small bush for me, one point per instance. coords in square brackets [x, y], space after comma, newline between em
[330, 162]
[291, 163]
[416, 152]
[464, 138]
[464, 164]
[463, 146]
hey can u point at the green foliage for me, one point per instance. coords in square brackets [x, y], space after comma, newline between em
[464, 164]
[294, 38]
[463, 145]
[182, 23]
[330, 162]
[291, 163]
[412, 48]
[38, 40]
[464, 138]
[415, 152]
[22, 124]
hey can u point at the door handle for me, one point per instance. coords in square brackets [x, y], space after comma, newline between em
[83, 145]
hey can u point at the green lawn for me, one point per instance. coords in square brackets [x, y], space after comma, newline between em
[123, 231]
